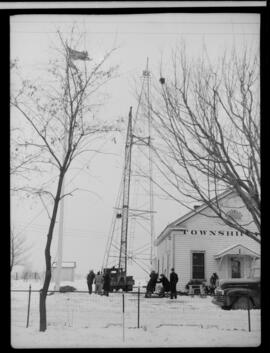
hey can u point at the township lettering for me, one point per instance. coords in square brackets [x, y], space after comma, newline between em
[213, 232]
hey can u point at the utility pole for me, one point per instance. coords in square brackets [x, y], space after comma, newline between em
[61, 213]
[70, 56]
[60, 243]
[61, 225]
[151, 193]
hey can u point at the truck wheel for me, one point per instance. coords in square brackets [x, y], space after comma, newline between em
[242, 303]
[226, 307]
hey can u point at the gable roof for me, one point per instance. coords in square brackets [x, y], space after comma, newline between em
[175, 225]
[236, 250]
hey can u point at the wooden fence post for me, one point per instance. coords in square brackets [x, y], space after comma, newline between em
[28, 309]
[139, 307]
[123, 297]
[249, 328]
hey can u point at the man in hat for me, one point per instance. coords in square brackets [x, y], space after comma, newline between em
[90, 280]
[173, 282]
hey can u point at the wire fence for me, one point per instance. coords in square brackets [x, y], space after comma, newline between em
[73, 309]
[78, 309]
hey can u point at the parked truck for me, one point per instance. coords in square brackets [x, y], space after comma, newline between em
[119, 280]
[240, 293]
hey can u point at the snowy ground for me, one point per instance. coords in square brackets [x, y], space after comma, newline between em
[80, 320]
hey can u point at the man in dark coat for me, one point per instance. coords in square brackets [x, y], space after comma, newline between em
[165, 285]
[213, 283]
[173, 282]
[151, 285]
[90, 280]
[106, 283]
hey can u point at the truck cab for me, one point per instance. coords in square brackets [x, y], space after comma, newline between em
[118, 277]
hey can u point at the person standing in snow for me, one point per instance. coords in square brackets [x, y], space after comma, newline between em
[98, 283]
[213, 282]
[173, 282]
[90, 280]
[151, 285]
[106, 282]
[165, 285]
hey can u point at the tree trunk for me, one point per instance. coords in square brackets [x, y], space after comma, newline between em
[43, 293]
[48, 274]
[42, 308]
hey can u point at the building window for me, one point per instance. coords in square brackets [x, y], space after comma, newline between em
[168, 264]
[198, 265]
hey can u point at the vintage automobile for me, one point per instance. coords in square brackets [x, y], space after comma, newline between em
[118, 279]
[238, 293]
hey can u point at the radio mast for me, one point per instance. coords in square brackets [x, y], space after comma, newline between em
[126, 189]
[129, 208]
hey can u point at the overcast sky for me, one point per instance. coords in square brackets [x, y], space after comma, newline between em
[88, 214]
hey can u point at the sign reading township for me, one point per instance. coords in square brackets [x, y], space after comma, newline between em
[212, 232]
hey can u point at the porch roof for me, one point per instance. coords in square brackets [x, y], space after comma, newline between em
[237, 249]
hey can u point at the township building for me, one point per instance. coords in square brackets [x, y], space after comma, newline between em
[200, 243]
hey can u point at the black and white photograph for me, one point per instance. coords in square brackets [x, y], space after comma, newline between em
[135, 175]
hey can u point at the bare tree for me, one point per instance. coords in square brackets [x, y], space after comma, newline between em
[21, 161]
[207, 118]
[61, 115]
[19, 250]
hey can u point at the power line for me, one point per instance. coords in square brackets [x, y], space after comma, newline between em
[140, 22]
[145, 33]
[41, 227]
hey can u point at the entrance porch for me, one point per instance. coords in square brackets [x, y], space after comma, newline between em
[236, 261]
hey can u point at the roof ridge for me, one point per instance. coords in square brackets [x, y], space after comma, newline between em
[194, 211]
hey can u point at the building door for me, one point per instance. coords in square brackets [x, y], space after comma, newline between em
[236, 268]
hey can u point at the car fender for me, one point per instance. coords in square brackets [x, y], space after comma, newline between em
[231, 295]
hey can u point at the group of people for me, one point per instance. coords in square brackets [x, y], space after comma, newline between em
[102, 282]
[168, 286]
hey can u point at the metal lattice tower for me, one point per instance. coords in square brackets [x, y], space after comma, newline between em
[138, 146]
[126, 190]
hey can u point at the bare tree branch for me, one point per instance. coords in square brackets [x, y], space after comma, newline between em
[207, 123]
[61, 126]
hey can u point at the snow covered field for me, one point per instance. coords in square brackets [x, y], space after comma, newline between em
[81, 320]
